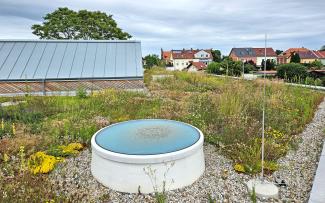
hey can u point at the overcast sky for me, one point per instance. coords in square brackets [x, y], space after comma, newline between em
[176, 24]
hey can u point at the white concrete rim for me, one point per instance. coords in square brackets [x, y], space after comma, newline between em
[147, 159]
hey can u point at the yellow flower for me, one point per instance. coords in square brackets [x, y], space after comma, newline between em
[239, 168]
[72, 148]
[40, 162]
[5, 158]
[13, 129]
[2, 124]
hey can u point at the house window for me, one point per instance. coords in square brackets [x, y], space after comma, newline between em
[182, 64]
[186, 63]
[176, 64]
[202, 55]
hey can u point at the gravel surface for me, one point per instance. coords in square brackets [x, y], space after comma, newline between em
[298, 167]
[73, 178]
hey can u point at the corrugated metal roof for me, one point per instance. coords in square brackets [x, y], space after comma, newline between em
[69, 59]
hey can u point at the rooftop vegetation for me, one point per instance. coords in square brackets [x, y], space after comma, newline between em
[227, 111]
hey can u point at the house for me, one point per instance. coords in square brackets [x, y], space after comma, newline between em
[196, 66]
[285, 57]
[181, 59]
[255, 55]
[167, 57]
[307, 56]
[57, 66]
[321, 56]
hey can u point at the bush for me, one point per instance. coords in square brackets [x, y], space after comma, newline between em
[215, 68]
[314, 65]
[318, 82]
[249, 67]
[292, 72]
[309, 81]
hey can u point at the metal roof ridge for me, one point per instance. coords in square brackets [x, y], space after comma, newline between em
[70, 40]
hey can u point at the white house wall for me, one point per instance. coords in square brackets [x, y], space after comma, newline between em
[180, 64]
[260, 59]
[192, 69]
[202, 55]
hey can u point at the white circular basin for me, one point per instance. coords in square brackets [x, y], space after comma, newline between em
[145, 156]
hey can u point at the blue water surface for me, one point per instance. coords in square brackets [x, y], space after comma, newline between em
[147, 137]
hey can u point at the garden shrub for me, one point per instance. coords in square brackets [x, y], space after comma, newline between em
[293, 72]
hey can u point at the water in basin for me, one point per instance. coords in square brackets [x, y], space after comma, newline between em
[147, 137]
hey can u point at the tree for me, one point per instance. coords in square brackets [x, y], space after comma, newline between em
[295, 58]
[215, 68]
[292, 72]
[278, 52]
[227, 66]
[64, 23]
[317, 64]
[248, 67]
[270, 64]
[151, 61]
[216, 54]
[322, 48]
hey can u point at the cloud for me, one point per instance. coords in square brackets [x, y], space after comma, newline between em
[169, 24]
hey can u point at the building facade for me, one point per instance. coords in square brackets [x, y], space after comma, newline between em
[254, 55]
[181, 59]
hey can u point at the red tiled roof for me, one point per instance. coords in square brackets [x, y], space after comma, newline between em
[260, 52]
[188, 53]
[253, 52]
[319, 54]
[307, 55]
[294, 50]
[198, 65]
[166, 54]
[183, 54]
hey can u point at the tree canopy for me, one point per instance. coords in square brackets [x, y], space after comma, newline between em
[322, 48]
[295, 58]
[227, 67]
[270, 64]
[216, 54]
[278, 52]
[151, 60]
[64, 23]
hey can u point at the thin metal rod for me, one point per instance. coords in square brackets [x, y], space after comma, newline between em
[263, 117]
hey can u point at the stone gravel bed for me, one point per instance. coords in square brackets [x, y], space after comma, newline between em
[298, 168]
[73, 178]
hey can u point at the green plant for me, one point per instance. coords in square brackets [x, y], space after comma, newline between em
[81, 24]
[309, 81]
[292, 72]
[211, 200]
[81, 93]
[160, 197]
[253, 196]
[295, 58]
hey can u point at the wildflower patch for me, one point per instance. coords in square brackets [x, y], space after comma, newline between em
[44, 162]
[40, 162]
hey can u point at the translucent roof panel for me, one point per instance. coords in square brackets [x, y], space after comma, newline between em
[23, 60]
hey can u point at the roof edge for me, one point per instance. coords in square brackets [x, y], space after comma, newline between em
[70, 41]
